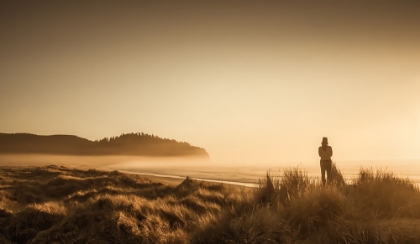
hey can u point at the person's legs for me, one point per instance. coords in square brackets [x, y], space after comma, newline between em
[328, 169]
[322, 164]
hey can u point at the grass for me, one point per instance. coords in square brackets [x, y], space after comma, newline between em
[56, 204]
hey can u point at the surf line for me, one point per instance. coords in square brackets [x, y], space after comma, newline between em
[182, 177]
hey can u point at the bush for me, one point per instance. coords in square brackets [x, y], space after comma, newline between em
[337, 176]
[386, 195]
[314, 210]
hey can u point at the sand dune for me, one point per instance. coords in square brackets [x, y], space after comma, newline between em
[62, 204]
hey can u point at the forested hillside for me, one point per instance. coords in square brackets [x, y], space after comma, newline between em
[125, 144]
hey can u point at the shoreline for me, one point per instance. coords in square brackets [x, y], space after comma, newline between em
[181, 178]
[175, 171]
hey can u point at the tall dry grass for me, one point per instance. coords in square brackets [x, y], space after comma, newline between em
[294, 208]
[62, 205]
[385, 195]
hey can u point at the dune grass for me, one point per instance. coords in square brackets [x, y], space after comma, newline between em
[64, 205]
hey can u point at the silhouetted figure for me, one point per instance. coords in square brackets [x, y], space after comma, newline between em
[325, 152]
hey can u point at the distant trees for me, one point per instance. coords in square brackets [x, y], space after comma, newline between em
[125, 144]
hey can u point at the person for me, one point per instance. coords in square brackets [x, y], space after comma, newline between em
[325, 152]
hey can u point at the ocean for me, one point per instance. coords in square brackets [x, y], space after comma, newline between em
[230, 172]
[250, 173]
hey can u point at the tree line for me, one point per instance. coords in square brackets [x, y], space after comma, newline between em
[126, 144]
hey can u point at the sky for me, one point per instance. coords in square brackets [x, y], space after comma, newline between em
[249, 81]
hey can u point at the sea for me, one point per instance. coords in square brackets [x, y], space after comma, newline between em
[239, 173]
[250, 173]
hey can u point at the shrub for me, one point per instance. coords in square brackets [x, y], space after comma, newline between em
[314, 210]
[337, 176]
[386, 195]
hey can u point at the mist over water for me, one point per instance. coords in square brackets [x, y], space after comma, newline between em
[252, 172]
[198, 168]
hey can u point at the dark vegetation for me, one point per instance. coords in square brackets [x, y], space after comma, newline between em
[63, 205]
[127, 144]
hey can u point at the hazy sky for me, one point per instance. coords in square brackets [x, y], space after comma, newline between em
[247, 80]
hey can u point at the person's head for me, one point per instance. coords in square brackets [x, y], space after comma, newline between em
[324, 141]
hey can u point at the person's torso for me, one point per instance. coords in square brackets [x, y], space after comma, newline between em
[325, 153]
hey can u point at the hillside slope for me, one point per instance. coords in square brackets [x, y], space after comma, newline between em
[127, 144]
